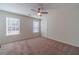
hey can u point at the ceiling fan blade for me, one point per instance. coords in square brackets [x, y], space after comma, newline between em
[34, 10]
[44, 12]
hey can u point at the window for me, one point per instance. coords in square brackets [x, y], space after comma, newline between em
[35, 26]
[12, 26]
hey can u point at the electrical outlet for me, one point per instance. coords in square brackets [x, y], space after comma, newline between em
[0, 46]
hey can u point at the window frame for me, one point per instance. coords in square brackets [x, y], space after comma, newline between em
[37, 27]
[14, 32]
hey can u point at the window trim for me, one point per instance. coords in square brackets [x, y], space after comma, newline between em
[38, 30]
[13, 32]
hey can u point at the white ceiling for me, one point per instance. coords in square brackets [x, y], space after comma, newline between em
[21, 8]
[60, 5]
[24, 8]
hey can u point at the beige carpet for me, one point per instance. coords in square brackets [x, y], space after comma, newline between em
[38, 46]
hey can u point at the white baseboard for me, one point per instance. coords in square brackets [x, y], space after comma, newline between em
[53, 38]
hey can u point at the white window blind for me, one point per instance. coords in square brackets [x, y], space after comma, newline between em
[12, 26]
[35, 26]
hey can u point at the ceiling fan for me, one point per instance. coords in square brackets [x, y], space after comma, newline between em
[39, 11]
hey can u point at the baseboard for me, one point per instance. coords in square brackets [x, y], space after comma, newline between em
[53, 38]
[19, 40]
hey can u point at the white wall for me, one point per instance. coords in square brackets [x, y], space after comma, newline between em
[63, 24]
[44, 26]
[25, 28]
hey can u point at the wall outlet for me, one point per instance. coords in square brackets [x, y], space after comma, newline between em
[0, 46]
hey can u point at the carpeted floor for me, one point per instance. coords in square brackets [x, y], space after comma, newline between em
[38, 46]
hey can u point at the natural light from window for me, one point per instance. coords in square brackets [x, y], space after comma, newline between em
[12, 26]
[35, 26]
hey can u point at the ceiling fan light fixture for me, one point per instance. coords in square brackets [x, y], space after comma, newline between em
[39, 14]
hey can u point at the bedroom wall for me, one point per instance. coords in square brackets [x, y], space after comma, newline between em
[25, 27]
[63, 23]
[44, 26]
